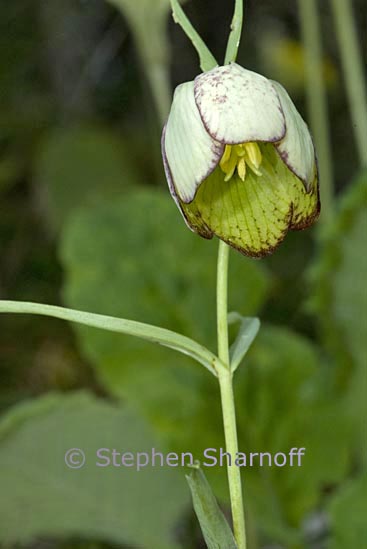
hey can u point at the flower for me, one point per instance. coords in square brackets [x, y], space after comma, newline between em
[239, 160]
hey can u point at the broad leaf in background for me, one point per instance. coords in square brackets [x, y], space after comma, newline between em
[348, 512]
[135, 258]
[214, 526]
[114, 504]
[82, 165]
[282, 404]
[341, 271]
[340, 296]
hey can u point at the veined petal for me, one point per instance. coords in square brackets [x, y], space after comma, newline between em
[296, 148]
[254, 215]
[251, 217]
[237, 105]
[306, 204]
[191, 153]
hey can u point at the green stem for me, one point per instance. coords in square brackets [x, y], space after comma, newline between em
[207, 59]
[222, 302]
[317, 102]
[235, 34]
[149, 27]
[227, 398]
[157, 73]
[353, 71]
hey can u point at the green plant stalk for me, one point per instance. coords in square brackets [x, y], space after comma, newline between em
[149, 28]
[154, 53]
[317, 101]
[353, 72]
[235, 34]
[157, 73]
[227, 398]
[222, 302]
[207, 59]
[153, 46]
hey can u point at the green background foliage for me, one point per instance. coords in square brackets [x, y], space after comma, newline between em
[90, 500]
[86, 221]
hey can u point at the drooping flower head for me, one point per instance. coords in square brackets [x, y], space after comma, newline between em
[239, 160]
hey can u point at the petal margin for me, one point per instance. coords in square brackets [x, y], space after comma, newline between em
[296, 149]
[204, 230]
[238, 105]
[306, 204]
[190, 152]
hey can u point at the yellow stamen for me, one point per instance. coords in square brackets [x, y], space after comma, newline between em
[241, 168]
[230, 166]
[226, 155]
[254, 154]
[240, 156]
[240, 150]
[252, 166]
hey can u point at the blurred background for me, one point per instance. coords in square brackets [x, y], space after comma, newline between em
[86, 221]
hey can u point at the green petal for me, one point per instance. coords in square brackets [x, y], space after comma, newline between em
[254, 215]
[296, 148]
[189, 151]
[306, 204]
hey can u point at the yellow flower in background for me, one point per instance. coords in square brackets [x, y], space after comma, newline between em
[283, 59]
[239, 160]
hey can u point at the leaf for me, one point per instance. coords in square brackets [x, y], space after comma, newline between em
[214, 526]
[247, 332]
[348, 511]
[284, 404]
[339, 300]
[340, 272]
[349, 283]
[135, 258]
[49, 499]
[151, 333]
[81, 165]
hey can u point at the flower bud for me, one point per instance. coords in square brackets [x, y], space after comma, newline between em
[239, 160]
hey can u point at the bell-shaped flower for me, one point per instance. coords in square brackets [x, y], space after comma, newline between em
[239, 160]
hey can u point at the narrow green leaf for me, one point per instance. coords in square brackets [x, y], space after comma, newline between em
[148, 332]
[247, 332]
[215, 528]
[235, 34]
[207, 60]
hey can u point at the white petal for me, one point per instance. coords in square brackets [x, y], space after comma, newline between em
[191, 153]
[238, 105]
[296, 148]
[167, 170]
